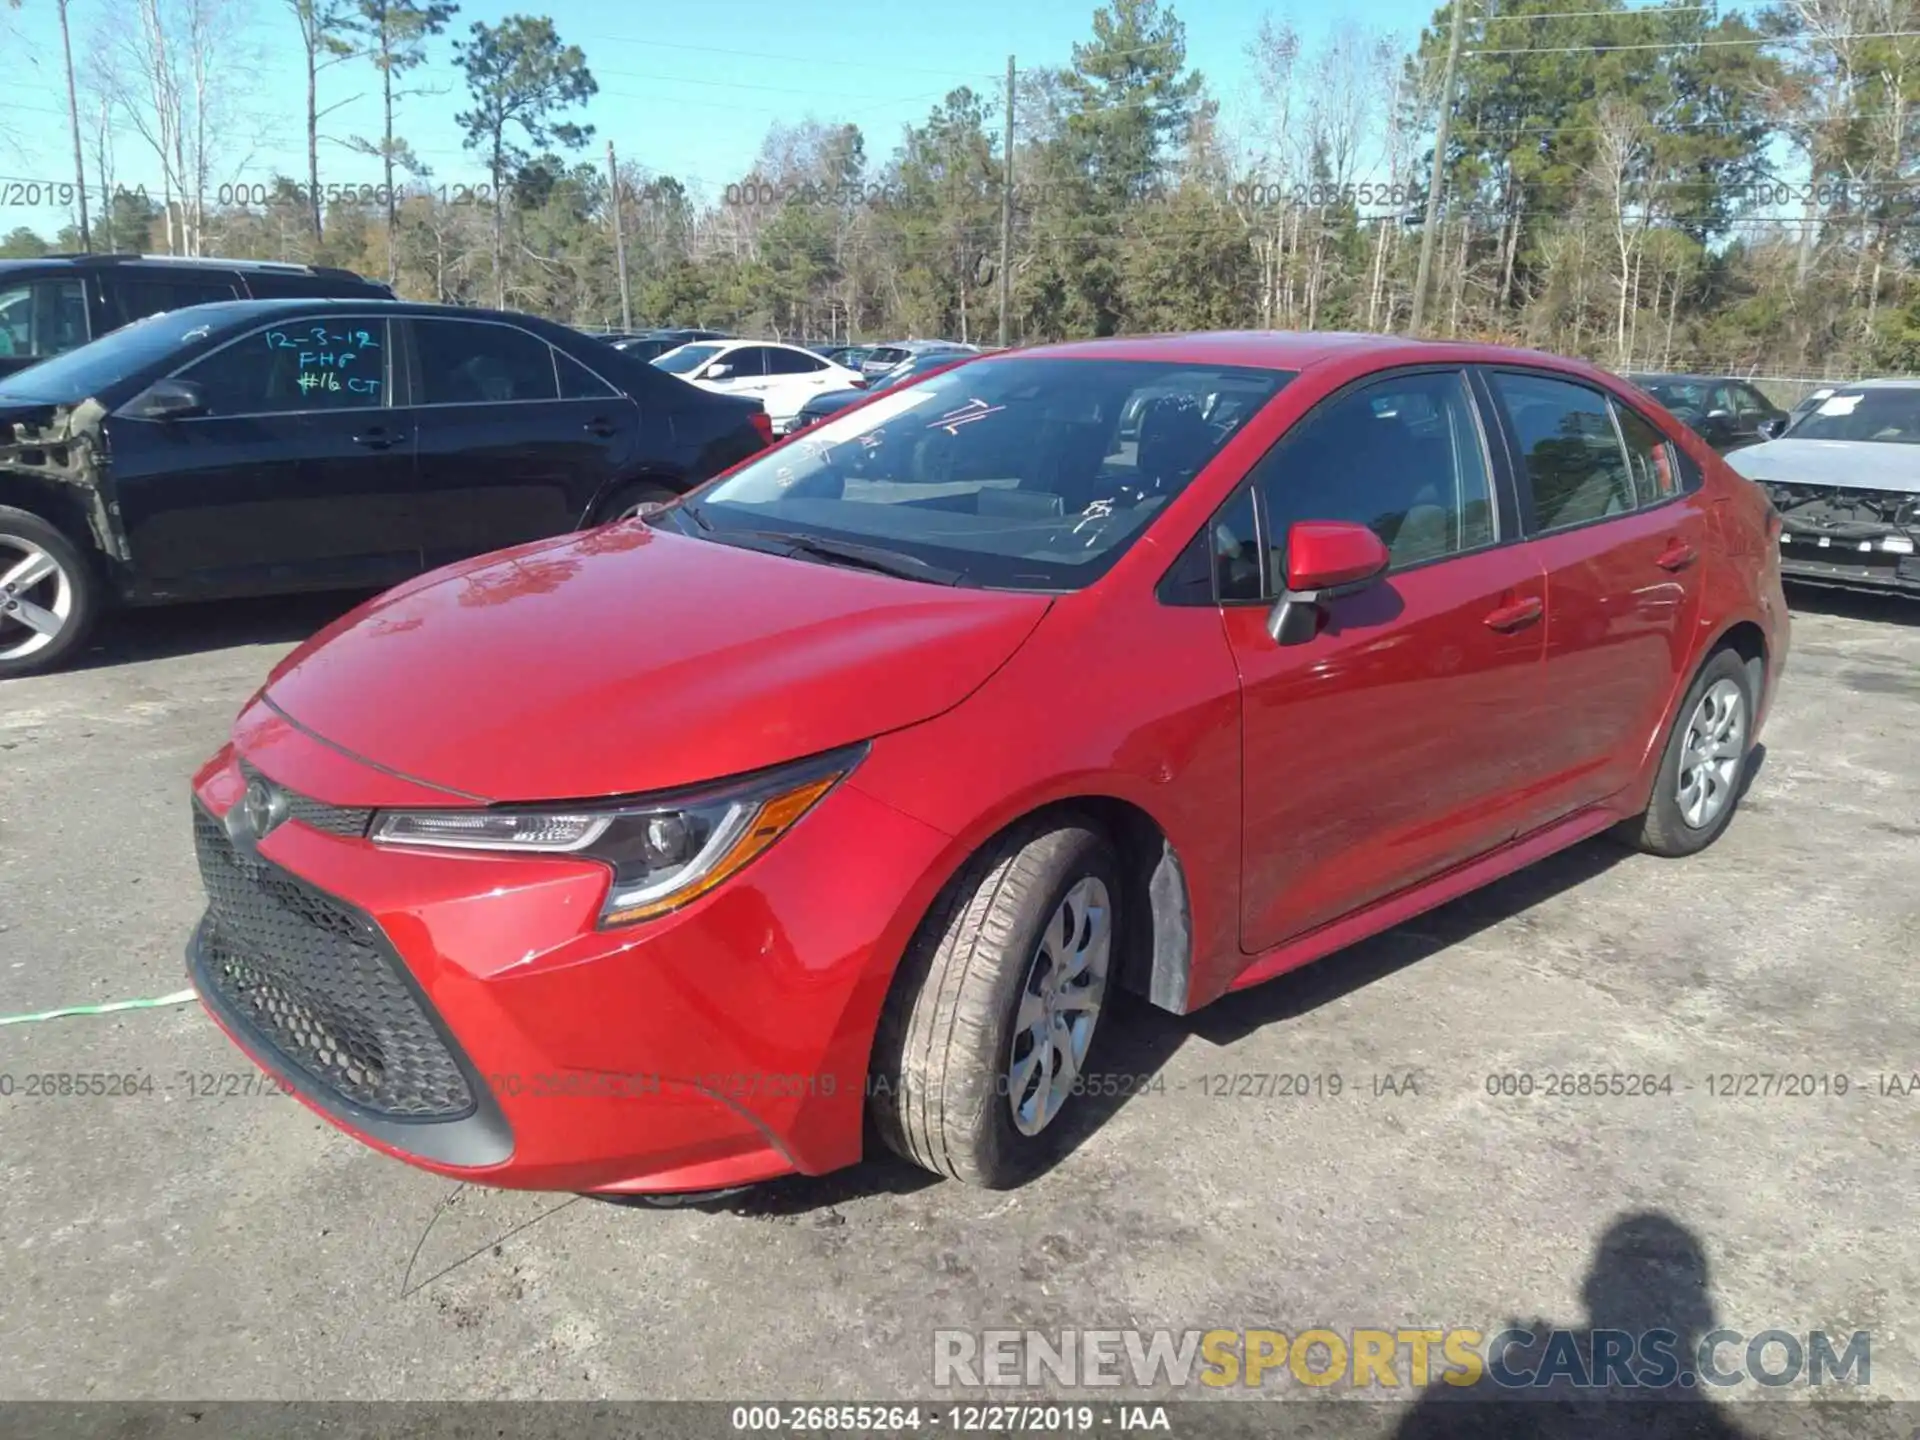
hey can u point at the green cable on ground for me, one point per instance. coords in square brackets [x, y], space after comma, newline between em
[179, 997]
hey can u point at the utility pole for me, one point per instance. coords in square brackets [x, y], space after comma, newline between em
[1439, 169]
[73, 118]
[619, 240]
[1006, 220]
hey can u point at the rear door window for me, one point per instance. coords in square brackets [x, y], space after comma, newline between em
[1569, 449]
[791, 362]
[479, 362]
[1649, 456]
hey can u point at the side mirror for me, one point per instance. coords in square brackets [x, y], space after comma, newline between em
[168, 400]
[1773, 429]
[1325, 560]
[719, 370]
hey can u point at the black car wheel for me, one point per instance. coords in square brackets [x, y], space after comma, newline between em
[634, 502]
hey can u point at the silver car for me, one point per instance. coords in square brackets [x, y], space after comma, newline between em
[1846, 481]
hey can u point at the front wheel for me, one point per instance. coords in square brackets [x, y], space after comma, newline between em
[987, 1031]
[634, 502]
[1705, 762]
[48, 594]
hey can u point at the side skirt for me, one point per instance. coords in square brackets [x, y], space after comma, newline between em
[1403, 905]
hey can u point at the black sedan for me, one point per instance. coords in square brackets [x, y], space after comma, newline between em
[263, 446]
[1728, 414]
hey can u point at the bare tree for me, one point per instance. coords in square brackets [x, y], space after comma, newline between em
[168, 67]
[1617, 174]
[322, 43]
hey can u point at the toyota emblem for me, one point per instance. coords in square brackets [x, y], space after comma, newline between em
[262, 807]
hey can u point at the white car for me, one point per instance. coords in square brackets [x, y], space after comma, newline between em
[781, 377]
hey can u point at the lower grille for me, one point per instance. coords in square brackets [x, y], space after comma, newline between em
[320, 984]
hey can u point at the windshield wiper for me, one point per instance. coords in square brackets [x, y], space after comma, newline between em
[847, 552]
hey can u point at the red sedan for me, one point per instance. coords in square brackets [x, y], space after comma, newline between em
[652, 859]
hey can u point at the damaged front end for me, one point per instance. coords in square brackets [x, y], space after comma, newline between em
[1851, 537]
[60, 449]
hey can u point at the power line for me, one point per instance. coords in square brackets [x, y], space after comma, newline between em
[1684, 44]
[1650, 10]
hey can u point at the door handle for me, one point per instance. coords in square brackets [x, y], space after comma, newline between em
[1677, 556]
[379, 439]
[1515, 615]
[600, 427]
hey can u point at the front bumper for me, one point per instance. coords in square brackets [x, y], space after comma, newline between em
[1814, 558]
[519, 1045]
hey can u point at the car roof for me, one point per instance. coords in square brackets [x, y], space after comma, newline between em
[1885, 382]
[224, 312]
[1298, 349]
[1686, 377]
[66, 260]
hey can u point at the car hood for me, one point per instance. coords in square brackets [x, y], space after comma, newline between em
[626, 659]
[1845, 464]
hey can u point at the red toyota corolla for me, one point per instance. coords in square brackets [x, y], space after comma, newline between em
[652, 858]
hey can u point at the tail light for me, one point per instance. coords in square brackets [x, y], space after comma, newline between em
[763, 426]
[860, 382]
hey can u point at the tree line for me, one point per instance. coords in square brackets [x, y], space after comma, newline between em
[1673, 186]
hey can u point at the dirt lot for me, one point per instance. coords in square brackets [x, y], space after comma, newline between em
[174, 1243]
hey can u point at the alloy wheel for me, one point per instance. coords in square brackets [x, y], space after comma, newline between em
[1059, 1005]
[36, 598]
[1712, 754]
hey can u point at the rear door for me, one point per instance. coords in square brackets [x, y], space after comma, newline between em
[516, 438]
[1621, 543]
[1397, 741]
[297, 477]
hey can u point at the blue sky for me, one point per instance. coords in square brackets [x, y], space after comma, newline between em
[687, 89]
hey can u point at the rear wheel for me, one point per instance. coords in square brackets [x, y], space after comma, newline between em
[992, 1018]
[1705, 762]
[48, 594]
[634, 502]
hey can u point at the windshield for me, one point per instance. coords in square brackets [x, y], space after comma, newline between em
[1012, 473]
[72, 377]
[1890, 416]
[687, 358]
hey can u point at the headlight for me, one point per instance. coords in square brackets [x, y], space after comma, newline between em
[664, 851]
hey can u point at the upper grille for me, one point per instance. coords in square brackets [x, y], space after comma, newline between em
[319, 982]
[333, 819]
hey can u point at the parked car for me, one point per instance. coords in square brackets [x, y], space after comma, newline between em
[1802, 408]
[832, 402]
[847, 355]
[651, 344]
[781, 377]
[1846, 481]
[1727, 413]
[881, 358]
[59, 302]
[259, 446]
[837, 790]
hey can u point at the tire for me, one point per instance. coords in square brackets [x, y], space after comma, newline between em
[956, 1047]
[1719, 702]
[45, 580]
[626, 502]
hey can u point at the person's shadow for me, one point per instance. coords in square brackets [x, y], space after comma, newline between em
[1649, 1274]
